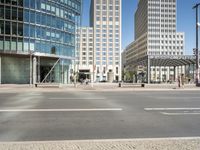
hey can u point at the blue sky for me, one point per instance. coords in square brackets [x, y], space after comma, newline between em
[185, 21]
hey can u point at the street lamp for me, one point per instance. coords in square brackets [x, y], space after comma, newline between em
[197, 44]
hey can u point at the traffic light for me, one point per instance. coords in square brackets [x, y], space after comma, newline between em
[194, 51]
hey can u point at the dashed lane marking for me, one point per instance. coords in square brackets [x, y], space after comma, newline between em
[164, 109]
[76, 98]
[179, 114]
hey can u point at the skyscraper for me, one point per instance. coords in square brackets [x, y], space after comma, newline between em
[85, 53]
[105, 18]
[155, 34]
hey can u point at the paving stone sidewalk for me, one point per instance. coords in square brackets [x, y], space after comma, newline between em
[162, 144]
[97, 87]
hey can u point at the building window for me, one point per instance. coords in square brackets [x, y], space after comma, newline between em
[117, 71]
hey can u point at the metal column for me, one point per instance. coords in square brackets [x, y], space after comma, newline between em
[160, 74]
[62, 74]
[34, 70]
[31, 70]
[0, 69]
[197, 43]
[174, 73]
[185, 70]
[193, 72]
[165, 73]
[38, 70]
[148, 70]
[181, 70]
[156, 74]
[178, 71]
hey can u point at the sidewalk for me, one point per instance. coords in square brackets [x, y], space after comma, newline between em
[129, 144]
[96, 87]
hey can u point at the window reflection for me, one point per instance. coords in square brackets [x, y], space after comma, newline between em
[14, 2]
[32, 31]
[37, 18]
[32, 45]
[20, 44]
[7, 43]
[7, 1]
[7, 13]
[37, 4]
[26, 30]
[14, 28]
[20, 2]
[32, 4]
[14, 44]
[1, 12]
[1, 43]
[37, 45]
[26, 45]
[32, 16]
[7, 27]
[26, 16]
[14, 13]
[1, 27]
[20, 14]
[38, 34]
[20, 29]
[26, 3]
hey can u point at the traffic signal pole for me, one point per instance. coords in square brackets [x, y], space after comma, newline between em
[197, 43]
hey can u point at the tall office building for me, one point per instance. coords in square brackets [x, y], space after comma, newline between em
[105, 18]
[155, 34]
[37, 40]
[85, 52]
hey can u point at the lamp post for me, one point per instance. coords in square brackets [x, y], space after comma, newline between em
[197, 44]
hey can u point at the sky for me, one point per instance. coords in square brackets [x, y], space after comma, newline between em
[185, 21]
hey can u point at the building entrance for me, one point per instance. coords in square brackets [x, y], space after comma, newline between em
[44, 70]
[83, 75]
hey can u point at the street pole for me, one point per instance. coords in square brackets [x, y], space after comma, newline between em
[75, 85]
[62, 75]
[31, 73]
[197, 44]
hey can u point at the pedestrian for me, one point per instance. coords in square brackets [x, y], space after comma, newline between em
[86, 81]
[179, 81]
[81, 81]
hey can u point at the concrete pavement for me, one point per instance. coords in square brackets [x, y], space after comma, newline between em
[129, 144]
[60, 115]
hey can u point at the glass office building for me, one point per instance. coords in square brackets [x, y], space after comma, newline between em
[37, 40]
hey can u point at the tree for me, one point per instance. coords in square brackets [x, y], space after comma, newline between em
[130, 75]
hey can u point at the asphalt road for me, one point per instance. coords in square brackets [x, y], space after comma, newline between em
[45, 116]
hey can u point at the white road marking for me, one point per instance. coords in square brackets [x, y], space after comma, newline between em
[179, 114]
[61, 110]
[163, 109]
[76, 98]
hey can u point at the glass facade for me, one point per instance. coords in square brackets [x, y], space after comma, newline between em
[39, 25]
[43, 26]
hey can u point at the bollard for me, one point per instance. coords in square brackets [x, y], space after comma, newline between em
[142, 85]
